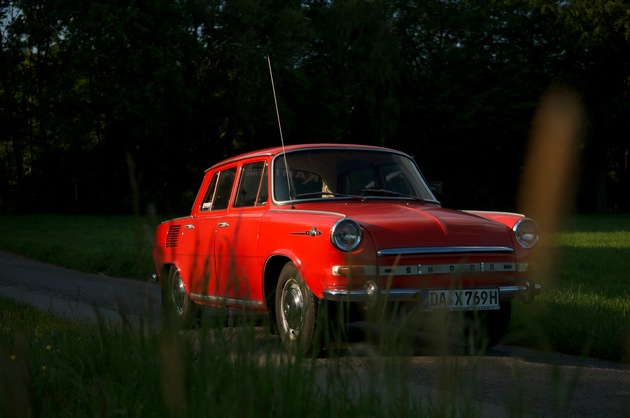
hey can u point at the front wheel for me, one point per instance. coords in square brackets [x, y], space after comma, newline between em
[175, 300]
[296, 314]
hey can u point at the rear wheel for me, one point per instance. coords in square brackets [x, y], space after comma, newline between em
[296, 314]
[175, 300]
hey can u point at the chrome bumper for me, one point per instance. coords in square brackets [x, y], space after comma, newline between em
[525, 292]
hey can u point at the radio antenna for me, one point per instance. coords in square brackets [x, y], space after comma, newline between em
[284, 154]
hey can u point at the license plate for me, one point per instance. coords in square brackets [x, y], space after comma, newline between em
[461, 299]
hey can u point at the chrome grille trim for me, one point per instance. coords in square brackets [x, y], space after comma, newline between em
[443, 250]
[455, 268]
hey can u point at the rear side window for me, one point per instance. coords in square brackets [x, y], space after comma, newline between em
[252, 188]
[218, 194]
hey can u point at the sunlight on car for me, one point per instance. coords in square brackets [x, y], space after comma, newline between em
[310, 233]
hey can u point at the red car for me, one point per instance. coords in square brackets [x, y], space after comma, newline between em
[293, 232]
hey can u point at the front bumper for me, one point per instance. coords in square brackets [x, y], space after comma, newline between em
[525, 292]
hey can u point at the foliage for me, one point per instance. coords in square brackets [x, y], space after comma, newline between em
[118, 106]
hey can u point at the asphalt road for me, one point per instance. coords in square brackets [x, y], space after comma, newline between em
[508, 381]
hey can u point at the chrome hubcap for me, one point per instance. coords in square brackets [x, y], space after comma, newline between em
[292, 308]
[179, 294]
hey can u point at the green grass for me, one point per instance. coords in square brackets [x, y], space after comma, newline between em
[585, 306]
[118, 246]
[51, 367]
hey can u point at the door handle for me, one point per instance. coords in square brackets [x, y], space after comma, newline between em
[223, 225]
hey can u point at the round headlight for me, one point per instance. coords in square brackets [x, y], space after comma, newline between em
[346, 234]
[526, 231]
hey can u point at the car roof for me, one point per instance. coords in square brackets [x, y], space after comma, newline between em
[277, 150]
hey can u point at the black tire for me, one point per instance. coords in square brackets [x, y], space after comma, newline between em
[297, 314]
[175, 300]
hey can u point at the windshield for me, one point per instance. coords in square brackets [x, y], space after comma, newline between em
[347, 174]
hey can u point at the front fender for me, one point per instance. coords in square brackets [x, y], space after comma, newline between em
[303, 237]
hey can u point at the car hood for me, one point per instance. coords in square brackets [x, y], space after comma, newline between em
[408, 225]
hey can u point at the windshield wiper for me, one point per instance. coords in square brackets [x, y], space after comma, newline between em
[322, 194]
[388, 192]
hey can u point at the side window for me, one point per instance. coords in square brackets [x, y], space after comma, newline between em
[218, 194]
[252, 188]
[209, 197]
[224, 188]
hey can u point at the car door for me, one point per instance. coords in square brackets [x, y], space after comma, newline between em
[238, 268]
[202, 233]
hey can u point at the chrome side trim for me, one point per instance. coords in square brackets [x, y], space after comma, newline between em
[314, 212]
[411, 295]
[313, 232]
[393, 295]
[255, 154]
[443, 250]
[227, 301]
[491, 212]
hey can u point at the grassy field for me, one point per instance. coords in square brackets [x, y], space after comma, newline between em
[59, 368]
[584, 308]
[118, 246]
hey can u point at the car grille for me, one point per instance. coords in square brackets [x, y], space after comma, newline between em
[448, 267]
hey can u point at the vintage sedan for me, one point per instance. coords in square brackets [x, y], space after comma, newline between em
[298, 231]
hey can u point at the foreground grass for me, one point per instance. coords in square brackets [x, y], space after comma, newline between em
[57, 368]
[584, 308]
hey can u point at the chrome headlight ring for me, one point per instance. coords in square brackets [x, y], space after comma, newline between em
[346, 234]
[526, 233]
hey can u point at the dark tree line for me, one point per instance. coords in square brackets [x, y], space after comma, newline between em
[109, 106]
